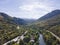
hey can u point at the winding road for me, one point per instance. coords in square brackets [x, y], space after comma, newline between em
[54, 35]
[16, 39]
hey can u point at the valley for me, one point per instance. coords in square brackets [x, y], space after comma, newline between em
[43, 31]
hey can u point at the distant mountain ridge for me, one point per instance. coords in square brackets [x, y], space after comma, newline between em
[51, 18]
[50, 15]
[10, 19]
[50, 21]
[14, 20]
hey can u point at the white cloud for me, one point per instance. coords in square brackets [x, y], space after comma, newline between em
[27, 7]
[35, 10]
[30, 7]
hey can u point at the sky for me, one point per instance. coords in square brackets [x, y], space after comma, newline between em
[31, 9]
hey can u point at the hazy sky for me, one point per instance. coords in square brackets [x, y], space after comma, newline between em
[28, 8]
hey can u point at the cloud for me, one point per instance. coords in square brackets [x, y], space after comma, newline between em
[35, 10]
[27, 7]
[34, 6]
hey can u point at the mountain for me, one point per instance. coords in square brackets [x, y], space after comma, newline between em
[8, 29]
[51, 18]
[50, 21]
[50, 15]
[11, 27]
[29, 21]
[14, 20]
[10, 19]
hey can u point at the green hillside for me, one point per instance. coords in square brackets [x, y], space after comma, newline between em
[52, 23]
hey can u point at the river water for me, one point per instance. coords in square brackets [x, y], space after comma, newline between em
[41, 40]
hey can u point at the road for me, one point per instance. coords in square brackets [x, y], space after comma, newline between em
[16, 39]
[54, 35]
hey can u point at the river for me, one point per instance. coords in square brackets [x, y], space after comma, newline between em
[41, 40]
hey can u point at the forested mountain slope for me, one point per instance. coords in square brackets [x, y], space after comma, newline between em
[50, 21]
[8, 27]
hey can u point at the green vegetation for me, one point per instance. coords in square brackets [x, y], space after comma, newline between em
[9, 31]
[30, 38]
[50, 39]
[57, 30]
[11, 27]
